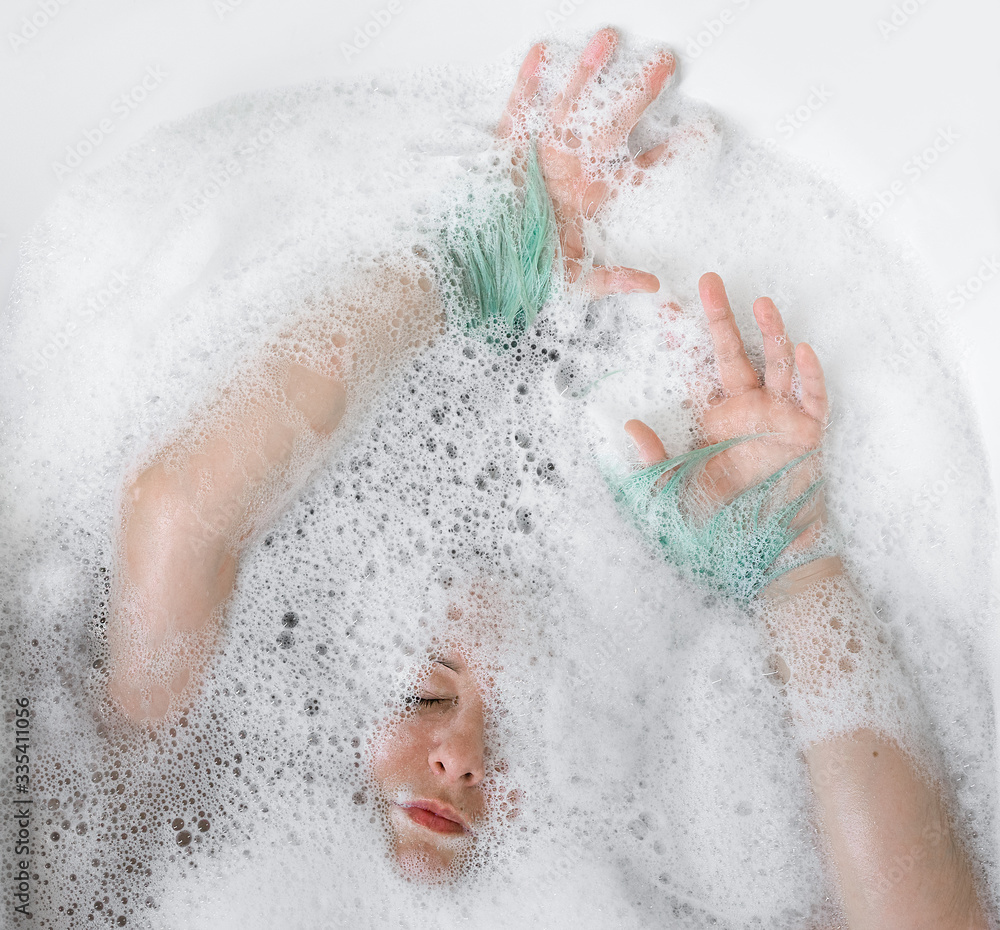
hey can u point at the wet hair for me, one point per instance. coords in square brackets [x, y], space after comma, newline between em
[734, 551]
[501, 250]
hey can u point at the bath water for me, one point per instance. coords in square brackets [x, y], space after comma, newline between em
[660, 780]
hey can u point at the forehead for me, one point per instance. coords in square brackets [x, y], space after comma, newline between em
[451, 668]
[451, 660]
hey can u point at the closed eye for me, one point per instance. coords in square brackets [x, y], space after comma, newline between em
[418, 700]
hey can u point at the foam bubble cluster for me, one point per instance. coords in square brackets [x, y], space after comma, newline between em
[653, 759]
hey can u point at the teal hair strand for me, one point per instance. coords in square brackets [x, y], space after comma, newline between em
[503, 264]
[735, 550]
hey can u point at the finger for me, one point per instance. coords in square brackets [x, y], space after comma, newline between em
[525, 88]
[814, 399]
[571, 240]
[159, 701]
[634, 101]
[595, 56]
[595, 195]
[735, 370]
[699, 129]
[779, 353]
[148, 700]
[650, 157]
[615, 279]
[647, 443]
[572, 269]
[128, 699]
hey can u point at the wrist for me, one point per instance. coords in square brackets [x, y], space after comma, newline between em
[799, 579]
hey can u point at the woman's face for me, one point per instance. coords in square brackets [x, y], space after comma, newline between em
[429, 767]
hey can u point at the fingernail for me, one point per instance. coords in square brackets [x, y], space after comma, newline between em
[530, 62]
[658, 78]
[595, 50]
[633, 452]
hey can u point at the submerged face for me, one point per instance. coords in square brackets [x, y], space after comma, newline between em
[429, 766]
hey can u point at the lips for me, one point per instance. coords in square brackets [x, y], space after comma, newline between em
[440, 818]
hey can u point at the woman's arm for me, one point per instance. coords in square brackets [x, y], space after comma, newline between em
[190, 510]
[187, 515]
[898, 860]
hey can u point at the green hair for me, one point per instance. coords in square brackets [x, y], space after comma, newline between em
[735, 550]
[502, 265]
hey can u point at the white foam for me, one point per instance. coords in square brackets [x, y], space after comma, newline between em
[659, 770]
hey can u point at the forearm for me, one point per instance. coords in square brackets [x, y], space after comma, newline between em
[190, 509]
[256, 443]
[211, 482]
[898, 859]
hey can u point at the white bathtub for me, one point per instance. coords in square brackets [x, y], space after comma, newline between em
[894, 99]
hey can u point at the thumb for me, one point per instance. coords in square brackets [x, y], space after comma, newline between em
[604, 280]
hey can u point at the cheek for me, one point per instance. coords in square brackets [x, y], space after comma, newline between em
[399, 751]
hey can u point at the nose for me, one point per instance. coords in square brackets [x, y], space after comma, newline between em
[458, 753]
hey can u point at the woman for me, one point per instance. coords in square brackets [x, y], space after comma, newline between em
[191, 510]
[430, 767]
[195, 504]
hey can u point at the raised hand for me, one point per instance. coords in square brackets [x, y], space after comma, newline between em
[744, 406]
[585, 166]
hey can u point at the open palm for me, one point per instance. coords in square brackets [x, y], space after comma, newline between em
[746, 406]
[583, 172]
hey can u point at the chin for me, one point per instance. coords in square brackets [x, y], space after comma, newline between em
[427, 863]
